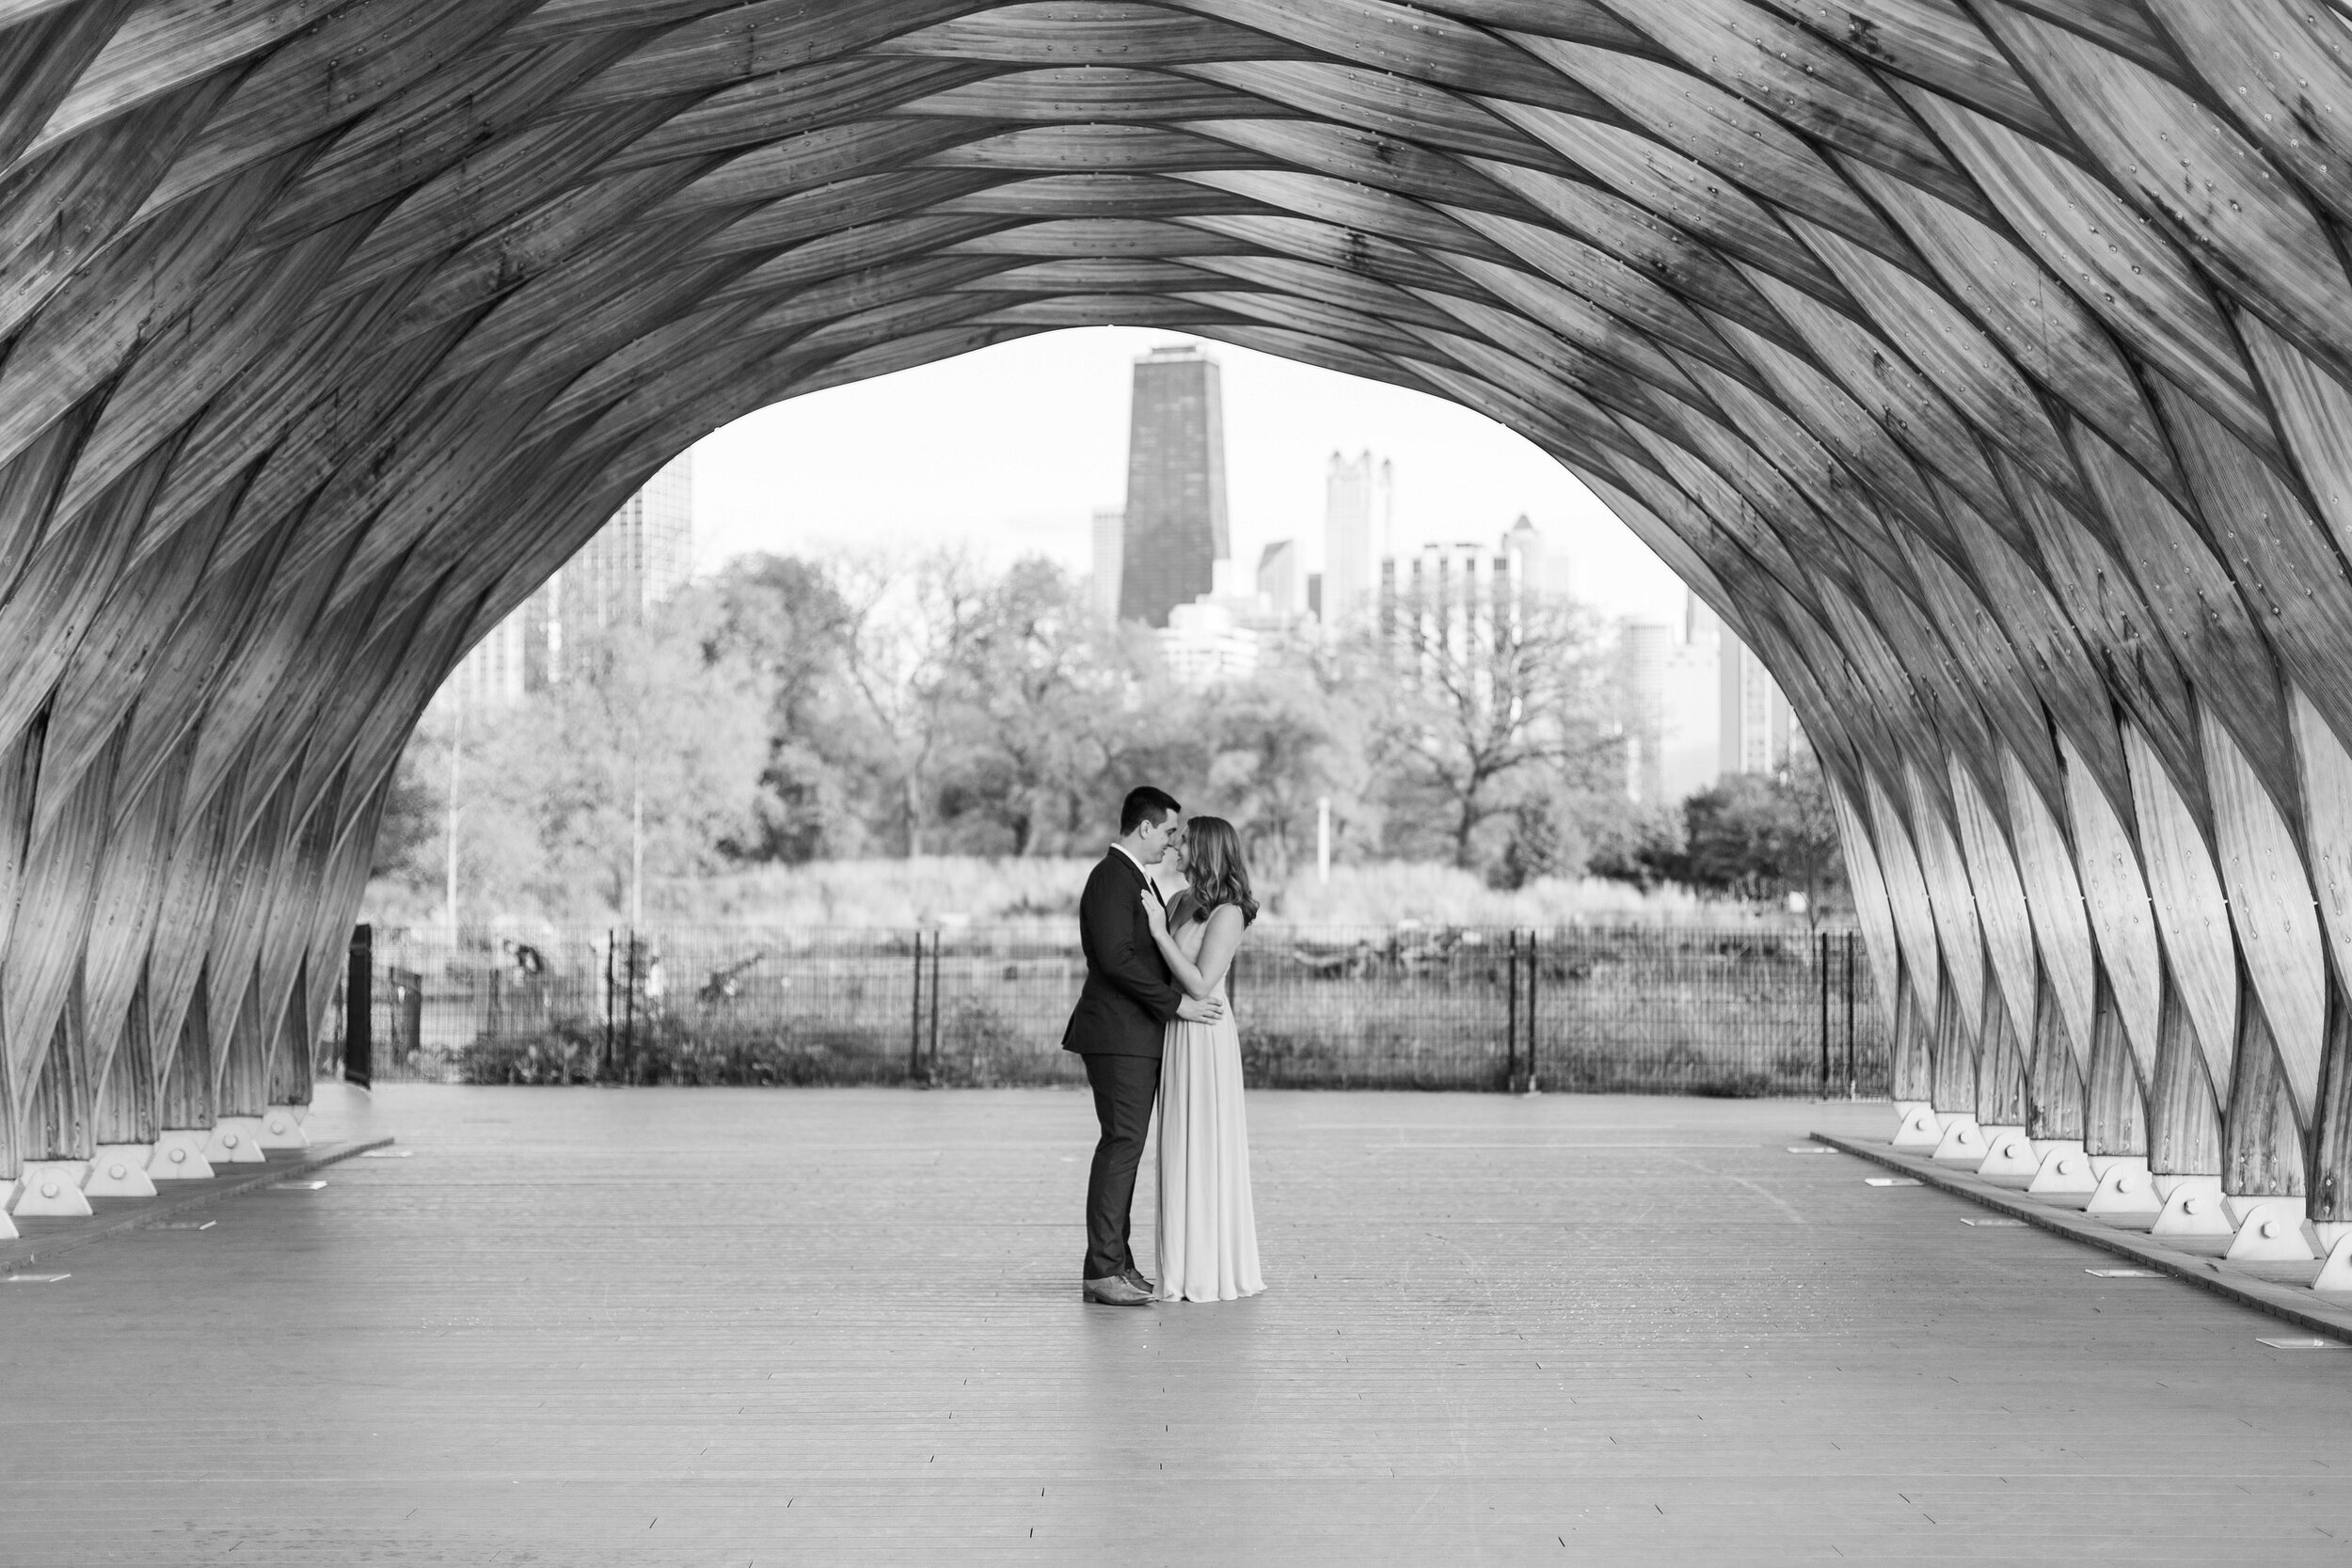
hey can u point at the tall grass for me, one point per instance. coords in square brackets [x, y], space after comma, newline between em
[968, 890]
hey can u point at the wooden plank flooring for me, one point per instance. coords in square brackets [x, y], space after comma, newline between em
[721, 1327]
[42, 1240]
[2279, 1290]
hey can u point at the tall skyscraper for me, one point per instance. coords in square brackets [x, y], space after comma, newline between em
[1453, 589]
[1523, 547]
[496, 673]
[1278, 581]
[1757, 725]
[636, 561]
[1691, 740]
[1359, 513]
[1175, 527]
[644, 554]
[1644, 647]
[1110, 525]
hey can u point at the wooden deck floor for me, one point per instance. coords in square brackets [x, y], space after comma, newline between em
[709, 1328]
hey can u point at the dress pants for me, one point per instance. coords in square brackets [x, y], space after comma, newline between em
[1124, 1088]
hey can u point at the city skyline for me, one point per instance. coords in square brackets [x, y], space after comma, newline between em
[1016, 448]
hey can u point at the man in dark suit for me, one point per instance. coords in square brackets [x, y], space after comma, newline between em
[1117, 1026]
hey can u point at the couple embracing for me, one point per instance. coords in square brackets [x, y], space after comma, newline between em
[1154, 1026]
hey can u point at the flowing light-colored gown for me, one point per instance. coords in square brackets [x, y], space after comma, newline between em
[1208, 1230]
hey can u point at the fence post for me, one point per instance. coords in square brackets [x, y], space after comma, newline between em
[1821, 961]
[1511, 1024]
[1535, 984]
[359, 1010]
[628, 1004]
[915, 1024]
[609, 942]
[1850, 1073]
[937, 938]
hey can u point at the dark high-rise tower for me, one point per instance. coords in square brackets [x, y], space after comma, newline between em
[1175, 531]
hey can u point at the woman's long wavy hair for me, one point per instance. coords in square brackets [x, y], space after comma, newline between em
[1219, 875]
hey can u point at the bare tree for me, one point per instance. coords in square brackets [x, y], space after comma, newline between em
[904, 632]
[1482, 699]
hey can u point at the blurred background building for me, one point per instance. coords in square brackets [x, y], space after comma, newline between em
[1358, 520]
[1280, 581]
[1712, 708]
[1644, 647]
[1689, 735]
[1110, 529]
[1757, 727]
[642, 555]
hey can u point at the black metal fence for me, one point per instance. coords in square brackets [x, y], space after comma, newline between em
[1650, 1010]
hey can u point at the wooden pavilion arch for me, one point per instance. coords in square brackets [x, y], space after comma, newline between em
[1986, 364]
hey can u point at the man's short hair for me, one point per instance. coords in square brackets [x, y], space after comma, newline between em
[1145, 804]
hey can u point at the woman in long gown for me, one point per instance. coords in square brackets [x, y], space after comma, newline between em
[1208, 1232]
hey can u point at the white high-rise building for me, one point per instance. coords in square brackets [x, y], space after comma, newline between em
[639, 558]
[1690, 740]
[1721, 711]
[1110, 543]
[1756, 724]
[1531, 568]
[1279, 583]
[1358, 517]
[644, 554]
[497, 672]
[1644, 646]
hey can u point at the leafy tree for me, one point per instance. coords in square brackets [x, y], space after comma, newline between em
[653, 722]
[1761, 837]
[1279, 746]
[1048, 701]
[548, 792]
[785, 619]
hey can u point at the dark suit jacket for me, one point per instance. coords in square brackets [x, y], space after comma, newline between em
[1129, 997]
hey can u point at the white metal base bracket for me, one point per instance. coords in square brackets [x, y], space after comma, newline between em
[281, 1128]
[120, 1170]
[2008, 1159]
[2193, 1215]
[179, 1155]
[2336, 1273]
[53, 1189]
[2169, 1182]
[2064, 1176]
[235, 1141]
[2126, 1196]
[2241, 1206]
[1962, 1144]
[2273, 1233]
[1920, 1131]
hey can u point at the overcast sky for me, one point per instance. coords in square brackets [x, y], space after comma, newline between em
[1016, 446]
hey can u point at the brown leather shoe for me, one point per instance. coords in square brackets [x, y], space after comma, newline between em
[1112, 1290]
[1134, 1275]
